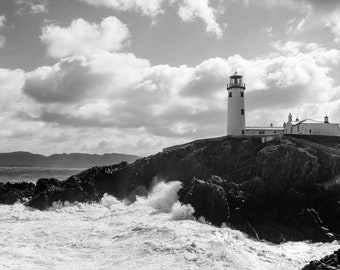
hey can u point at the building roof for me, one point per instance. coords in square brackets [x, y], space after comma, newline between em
[265, 128]
[307, 121]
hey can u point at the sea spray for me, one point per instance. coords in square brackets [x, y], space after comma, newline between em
[109, 201]
[164, 195]
[182, 211]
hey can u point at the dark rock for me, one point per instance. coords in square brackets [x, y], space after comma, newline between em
[139, 191]
[48, 191]
[17, 192]
[330, 262]
[310, 224]
[209, 201]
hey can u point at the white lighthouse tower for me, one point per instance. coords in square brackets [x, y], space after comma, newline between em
[236, 112]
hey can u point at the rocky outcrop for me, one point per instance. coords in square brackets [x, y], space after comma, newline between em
[17, 192]
[209, 201]
[330, 262]
[51, 190]
[87, 186]
[283, 190]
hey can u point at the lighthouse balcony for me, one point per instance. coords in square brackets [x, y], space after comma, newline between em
[236, 85]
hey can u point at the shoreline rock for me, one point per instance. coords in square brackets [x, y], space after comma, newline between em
[274, 191]
[330, 262]
[12, 193]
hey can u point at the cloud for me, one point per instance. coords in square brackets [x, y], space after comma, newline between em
[68, 81]
[334, 24]
[119, 91]
[2, 21]
[98, 93]
[2, 24]
[316, 14]
[189, 10]
[268, 30]
[33, 6]
[207, 79]
[82, 37]
[11, 82]
[300, 5]
[150, 8]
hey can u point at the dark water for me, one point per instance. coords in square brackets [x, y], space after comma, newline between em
[33, 174]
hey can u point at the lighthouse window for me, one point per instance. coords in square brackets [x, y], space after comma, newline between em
[230, 94]
[242, 111]
[242, 94]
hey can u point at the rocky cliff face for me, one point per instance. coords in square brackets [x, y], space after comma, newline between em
[279, 191]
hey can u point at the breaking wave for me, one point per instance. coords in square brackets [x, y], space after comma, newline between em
[164, 195]
[113, 235]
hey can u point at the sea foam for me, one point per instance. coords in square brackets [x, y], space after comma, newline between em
[113, 235]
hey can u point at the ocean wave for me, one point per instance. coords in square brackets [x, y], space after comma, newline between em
[153, 233]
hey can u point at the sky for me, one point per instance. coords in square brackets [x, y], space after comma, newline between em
[135, 76]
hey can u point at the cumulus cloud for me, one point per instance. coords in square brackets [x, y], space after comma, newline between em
[11, 82]
[11, 101]
[82, 37]
[120, 91]
[33, 6]
[189, 10]
[141, 107]
[68, 81]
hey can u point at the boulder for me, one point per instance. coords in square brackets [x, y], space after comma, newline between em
[330, 262]
[209, 201]
[17, 192]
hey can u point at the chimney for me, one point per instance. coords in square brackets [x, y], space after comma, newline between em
[326, 120]
[290, 117]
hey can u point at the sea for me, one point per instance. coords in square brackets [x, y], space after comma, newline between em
[153, 233]
[33, 174]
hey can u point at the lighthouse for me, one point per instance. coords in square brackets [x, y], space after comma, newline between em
[236, 111]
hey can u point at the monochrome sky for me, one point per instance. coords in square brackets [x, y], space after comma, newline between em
[135, 76]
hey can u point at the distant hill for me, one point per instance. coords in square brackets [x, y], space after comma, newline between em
[73, 160]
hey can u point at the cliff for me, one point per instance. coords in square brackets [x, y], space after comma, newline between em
[283, 190]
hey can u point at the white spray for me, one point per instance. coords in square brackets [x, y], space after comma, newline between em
[164, 197]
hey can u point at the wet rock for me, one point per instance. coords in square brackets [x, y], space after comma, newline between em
[49, 191]
[330, 262]
[17, 192]
[209, 201]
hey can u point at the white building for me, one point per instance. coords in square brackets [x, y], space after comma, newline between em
[270, 130]
[236, 117]
[311, 127]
